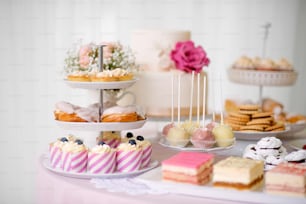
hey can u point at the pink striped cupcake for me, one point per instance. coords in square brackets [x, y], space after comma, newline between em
[129, 157]
[74, 157]
[55, 150]
[146, 150]
[101, 159]
[111, 138]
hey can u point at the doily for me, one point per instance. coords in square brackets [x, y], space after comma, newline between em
[130, 186]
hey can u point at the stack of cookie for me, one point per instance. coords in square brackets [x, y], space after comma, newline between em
[249, 118]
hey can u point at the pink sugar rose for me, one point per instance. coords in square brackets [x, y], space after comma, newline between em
[189, 58]
[84, 56]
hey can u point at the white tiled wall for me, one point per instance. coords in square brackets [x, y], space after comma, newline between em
[35, 34]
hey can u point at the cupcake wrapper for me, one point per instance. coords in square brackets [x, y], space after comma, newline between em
[113, 143]
[101, 162]
[129, 161]
[55, 154]
[146, 156]
[74, 162]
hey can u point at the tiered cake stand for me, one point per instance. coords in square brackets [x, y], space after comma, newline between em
[99, 126]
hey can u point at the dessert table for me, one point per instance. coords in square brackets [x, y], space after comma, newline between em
[54, 188]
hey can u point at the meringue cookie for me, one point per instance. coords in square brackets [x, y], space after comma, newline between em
[269, 142]
[269, 146]
[272, 161]
[296, 156]
[250, 152]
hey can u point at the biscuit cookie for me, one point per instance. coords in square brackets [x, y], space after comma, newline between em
[278, 129]
[249, 107]
[235, 122]
[238, 115]
[249, 130]
[262, 114]
[252, 127]
[234, 126]
[259, 122]
[248, 112]
[238, 119]
[274, 127]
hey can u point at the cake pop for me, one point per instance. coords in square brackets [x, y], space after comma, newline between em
[167, 128]
[177, 137]
[224, 135]
[202, 138]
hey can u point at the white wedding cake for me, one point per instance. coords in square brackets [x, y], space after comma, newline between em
[153, 90]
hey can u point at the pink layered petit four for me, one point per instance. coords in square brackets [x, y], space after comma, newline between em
[188, 167]
[287, 179]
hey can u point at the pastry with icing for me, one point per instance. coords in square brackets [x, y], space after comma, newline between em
[117, 74]
[81, 76]
[244, 62]
[121, 114]
[284, 65]
[65, 111]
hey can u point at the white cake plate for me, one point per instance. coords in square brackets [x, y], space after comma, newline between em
[101, 85]
[103, 126]
[87, 175]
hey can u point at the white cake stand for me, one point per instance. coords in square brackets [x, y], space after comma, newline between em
[262, 78]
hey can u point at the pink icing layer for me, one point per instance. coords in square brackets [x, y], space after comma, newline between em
[290, 168]
[188, 159]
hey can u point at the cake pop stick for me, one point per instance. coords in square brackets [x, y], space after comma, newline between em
[191, 96]
[172, 98]
[179, 101]
[221, 98]
[213, 97]
[204, 101]
[167, 127]
[198, 99]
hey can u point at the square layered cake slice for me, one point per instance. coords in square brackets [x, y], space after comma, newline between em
[238, 173]
[188, 167]
[287, 179]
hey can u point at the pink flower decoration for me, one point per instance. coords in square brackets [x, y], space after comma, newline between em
[108, 49]
[84, 56]
[189, 58]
